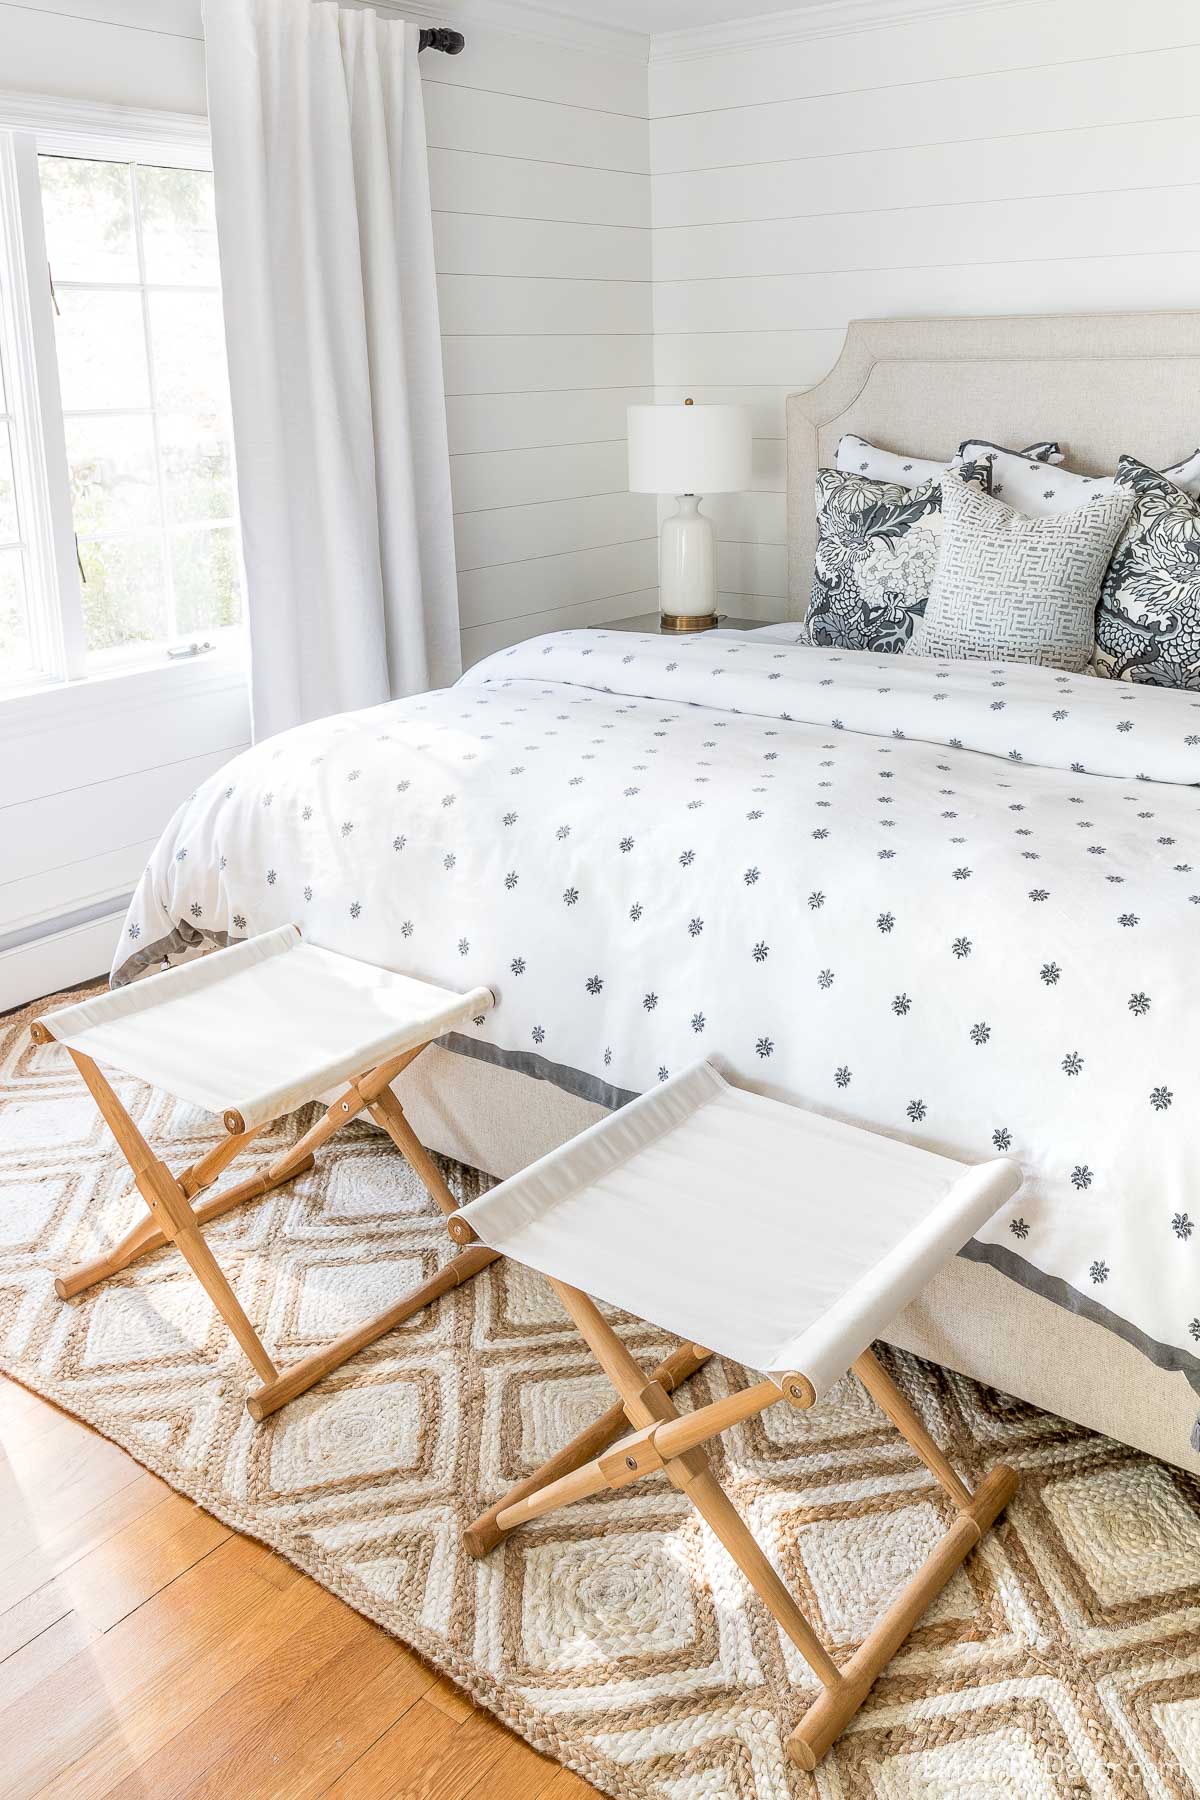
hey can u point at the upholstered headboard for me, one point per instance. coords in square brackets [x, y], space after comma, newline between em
[1101, 383]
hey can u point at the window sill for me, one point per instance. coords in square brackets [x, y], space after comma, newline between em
[71, 702]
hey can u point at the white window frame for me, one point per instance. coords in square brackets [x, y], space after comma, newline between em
[33, 126]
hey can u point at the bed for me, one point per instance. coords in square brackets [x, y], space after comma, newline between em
[656, 850]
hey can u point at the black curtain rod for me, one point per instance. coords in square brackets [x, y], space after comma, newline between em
[440, 37]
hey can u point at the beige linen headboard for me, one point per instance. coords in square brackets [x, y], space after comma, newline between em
[1101, 383]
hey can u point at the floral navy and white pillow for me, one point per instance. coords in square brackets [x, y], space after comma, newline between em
[877, 548]
[858, 456]
[1148, 622]
[1031, 488]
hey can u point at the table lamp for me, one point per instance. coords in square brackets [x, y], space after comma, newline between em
[688, 451]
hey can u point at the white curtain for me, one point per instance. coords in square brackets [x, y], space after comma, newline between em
[331, 323]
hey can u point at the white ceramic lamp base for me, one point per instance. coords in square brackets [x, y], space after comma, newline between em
[687, 569]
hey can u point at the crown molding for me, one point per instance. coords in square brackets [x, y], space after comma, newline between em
[527, 18]
[810, 19]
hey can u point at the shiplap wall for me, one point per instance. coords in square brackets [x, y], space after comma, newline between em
[1016, 158]
[539, 169]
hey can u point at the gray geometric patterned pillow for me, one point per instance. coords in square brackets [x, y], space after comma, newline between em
[1019, 589]
[1148, 625]
[877, 545]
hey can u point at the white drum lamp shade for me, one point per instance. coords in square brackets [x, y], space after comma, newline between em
[688, 451]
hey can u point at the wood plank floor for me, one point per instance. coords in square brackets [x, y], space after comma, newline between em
[147, 1650]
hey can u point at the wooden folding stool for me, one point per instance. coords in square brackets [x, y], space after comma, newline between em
[784, 1240]
[252, 1033]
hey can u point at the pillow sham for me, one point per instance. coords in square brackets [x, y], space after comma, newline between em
[877, 546]
[858, 456]
[1148, 623]
[1015, 589]
[1043, 493]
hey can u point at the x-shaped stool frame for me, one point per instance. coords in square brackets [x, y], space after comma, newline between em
[663, 1439]
[173, 1218]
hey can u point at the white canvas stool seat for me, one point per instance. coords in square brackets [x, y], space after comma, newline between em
[776, 1237]
[263, 1027]
[251, 1033]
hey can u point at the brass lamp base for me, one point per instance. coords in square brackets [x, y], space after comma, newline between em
[688, 621]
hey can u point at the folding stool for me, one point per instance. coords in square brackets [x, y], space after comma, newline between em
[252, 1033]
[783, 1240]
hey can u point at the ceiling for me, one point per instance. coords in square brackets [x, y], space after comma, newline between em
[653, 16]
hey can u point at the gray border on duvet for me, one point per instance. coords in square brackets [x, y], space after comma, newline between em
[184, 937]
[540, 1068]
[1051, 1287]
[602, 1093]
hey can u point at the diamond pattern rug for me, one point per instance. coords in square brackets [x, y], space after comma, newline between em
[1062, 1660]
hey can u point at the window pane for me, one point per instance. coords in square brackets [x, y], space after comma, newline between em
[101, 351]
[179, 227]
[208, 591]
[124, 595]
[145, 396]
[8, 496]
[112, 472]
[197, 471]
[16, 660]
[88, 208]
[189, 353]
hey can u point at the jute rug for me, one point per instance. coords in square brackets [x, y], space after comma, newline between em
[1064, 1659]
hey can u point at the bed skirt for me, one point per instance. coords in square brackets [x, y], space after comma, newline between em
[970, 1318]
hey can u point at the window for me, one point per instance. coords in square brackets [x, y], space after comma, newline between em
[118, 534]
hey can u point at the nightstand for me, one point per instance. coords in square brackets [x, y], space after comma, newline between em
[649, 622]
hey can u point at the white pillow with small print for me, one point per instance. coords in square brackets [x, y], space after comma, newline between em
[1042, 493]
[858, 456]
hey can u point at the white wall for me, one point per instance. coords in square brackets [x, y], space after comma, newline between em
[539, 168]
[1042, 157]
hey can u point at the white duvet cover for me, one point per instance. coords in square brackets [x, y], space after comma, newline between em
[959, 903]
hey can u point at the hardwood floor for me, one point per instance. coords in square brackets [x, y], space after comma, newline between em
[147, 1650]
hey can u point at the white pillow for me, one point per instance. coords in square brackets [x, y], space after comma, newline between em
[857, 456]
[1041, 493]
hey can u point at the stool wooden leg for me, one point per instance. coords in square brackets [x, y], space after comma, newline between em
[387, 1111]
[832, 1711]
[211, 1277]
[147, 1236]
[298, 1377]
[721, 1515]
[483, 1534]
[693, 1476]
[144, 1237]
[890, 1400]
[648, 1407]
[173, 1212]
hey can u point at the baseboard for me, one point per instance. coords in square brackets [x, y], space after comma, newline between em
[62, 959]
